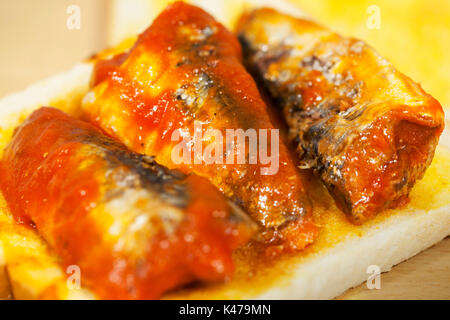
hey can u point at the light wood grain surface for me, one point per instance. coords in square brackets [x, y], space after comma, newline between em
[425, 276]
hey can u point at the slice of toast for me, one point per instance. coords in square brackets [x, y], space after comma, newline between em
[338, 260]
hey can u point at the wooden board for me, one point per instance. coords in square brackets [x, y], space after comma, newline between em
[425, 276]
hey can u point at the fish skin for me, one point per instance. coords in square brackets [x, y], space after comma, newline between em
[169, 80]
[134, 228]
[348, 110]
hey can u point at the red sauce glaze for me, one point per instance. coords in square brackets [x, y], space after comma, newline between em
[186, 67]
[365, 128]
[161, 113]
[53, 176]
[373, 187]
[104, 68]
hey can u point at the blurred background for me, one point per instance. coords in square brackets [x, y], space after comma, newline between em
[41, 37]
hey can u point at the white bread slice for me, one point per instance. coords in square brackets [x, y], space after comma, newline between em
[337, 261]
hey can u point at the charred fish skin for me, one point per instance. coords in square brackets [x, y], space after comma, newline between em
[137, 171]
[170, 80]
[134, 228]
[369, 131]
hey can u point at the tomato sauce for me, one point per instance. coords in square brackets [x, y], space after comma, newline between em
[73, 184]
[187, 67]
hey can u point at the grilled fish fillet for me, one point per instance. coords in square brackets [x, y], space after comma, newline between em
[133, 228]
[369, 131]
[185, 69]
